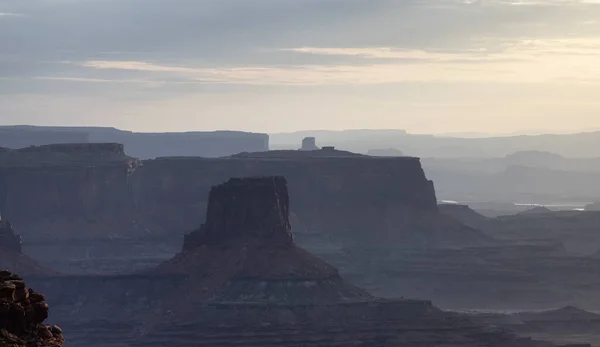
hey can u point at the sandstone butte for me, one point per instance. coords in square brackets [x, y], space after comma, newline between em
[249, 285]
[22, 313]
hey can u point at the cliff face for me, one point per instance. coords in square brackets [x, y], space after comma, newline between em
[67, 191]
[245, 208]
[376, 199]
[55, 192]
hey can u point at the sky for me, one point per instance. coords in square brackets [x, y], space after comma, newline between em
[427, 66]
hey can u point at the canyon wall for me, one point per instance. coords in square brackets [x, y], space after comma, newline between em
[95, 191]
[78, 191]
[95, 196]
[360, 197]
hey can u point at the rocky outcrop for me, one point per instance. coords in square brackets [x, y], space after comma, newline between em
[309, 144]
[245, 251]
[250, 208]
[22, 314]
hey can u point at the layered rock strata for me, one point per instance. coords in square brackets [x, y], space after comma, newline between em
[68, 191]
[22, 314]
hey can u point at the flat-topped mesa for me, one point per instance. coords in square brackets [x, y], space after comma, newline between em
[309, 144]
[9, 240]
[65, 153]
[255, 208]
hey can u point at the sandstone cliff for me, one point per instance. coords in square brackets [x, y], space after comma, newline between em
[82, 207]
[56, 192]
[73, 191]
[22, 312]
[379, 201]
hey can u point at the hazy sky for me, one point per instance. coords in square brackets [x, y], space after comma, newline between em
[493, 66]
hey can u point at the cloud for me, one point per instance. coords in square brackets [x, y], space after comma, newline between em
[9, 14]
[532, 64]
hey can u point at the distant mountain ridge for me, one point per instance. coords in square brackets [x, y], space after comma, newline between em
[139, 145]
[583, 144]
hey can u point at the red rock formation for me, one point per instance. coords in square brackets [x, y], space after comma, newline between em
[246, 242]
[250, 208]
[22, 312]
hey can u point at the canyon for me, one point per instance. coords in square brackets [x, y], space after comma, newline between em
[242, 281]
[88, 199]
[100, 219]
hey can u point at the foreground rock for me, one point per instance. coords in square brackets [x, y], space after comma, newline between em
[22, 312]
